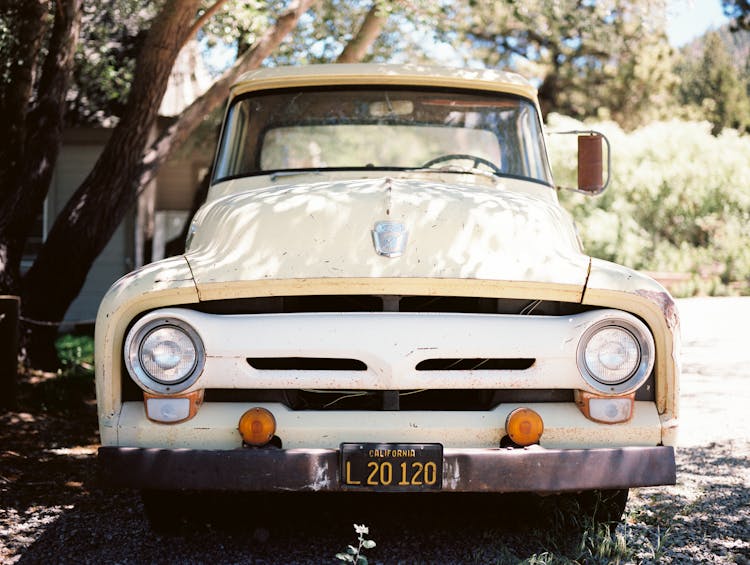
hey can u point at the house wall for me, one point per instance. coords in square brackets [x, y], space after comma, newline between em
[169, 204]
[78, 154]
[177, 181]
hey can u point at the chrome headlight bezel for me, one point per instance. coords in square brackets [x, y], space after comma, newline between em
[645, 342]
[133, 361]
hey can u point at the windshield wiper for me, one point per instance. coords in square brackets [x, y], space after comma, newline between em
[279, 174]
[456, 169]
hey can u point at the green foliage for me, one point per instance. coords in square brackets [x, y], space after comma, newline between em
[111, 36]
[71, 389]
[321, 36]
[76, 353]
[679, 201]
[592, 58]
[354, 554]
[739, 11]
[713, 85]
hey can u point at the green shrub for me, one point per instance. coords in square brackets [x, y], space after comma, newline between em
[76, 353]
[679, 201]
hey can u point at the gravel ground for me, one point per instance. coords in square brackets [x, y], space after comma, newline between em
[52, 511]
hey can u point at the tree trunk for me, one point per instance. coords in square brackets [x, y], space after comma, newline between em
[190, 118]
[372, 26]
[549, 93]
[20, 53]
[92, 215]
[39, 144]
[94, 211]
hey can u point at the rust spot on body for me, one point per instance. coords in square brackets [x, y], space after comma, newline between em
[665, 303]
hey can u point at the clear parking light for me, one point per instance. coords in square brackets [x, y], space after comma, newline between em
[605, 409]
[164, 356]
[610, 409]
[616, 356]
[172, 409]
[168, 409]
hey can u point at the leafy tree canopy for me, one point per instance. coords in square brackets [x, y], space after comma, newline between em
[590, 57]
[715, 84]
[112, 35]
[739, 11]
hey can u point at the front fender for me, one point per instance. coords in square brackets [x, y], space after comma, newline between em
[613, 286]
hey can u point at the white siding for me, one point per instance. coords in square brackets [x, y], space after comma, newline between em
[74, 163]
[177, 182]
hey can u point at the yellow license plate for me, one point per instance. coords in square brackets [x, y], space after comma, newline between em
[392, 466]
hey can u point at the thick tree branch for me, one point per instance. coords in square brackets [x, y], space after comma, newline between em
[369, 31]
[106, 195]
[39, 144]
[204, 17]
[20, 53]
[45, 121]
[96, 208]
[174, 136]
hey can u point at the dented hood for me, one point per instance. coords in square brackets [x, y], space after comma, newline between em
[324, 230]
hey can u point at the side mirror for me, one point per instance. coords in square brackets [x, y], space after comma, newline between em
[590, 163]
[591, 178]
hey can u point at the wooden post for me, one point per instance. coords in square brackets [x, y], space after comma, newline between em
[10, 307]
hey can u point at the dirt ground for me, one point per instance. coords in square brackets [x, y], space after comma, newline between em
[52, 510]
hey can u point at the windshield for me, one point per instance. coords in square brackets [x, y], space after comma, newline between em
[402, 129]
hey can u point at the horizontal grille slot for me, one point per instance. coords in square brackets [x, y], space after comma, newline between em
[375, 400]
[305, 364]
[390, 303]
[488, 364]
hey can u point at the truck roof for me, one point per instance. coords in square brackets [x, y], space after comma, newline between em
[384, 74]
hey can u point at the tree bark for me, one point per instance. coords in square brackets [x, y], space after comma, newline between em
[21, 54]
[176, 134]
[92, 215]
[44, 126]
[38, 140]
[94, 211]
[369, 31]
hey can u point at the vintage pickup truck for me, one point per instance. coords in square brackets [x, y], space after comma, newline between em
[382, 292]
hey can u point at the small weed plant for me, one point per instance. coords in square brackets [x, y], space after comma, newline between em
[354, 554]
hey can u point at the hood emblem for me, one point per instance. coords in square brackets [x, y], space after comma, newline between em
[389, 238]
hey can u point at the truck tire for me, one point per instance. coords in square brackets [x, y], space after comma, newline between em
[166, 511]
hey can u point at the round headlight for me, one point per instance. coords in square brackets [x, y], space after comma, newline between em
[612, 355]
[616, 356]
[168, 355]
[164, 355]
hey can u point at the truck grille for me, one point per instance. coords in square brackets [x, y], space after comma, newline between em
[373, 400]
[387, 352]
[389, 303]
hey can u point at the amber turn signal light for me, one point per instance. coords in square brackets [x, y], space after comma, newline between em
[524, 426]
[257, 427]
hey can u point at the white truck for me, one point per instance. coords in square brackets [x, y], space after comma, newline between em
[383, 293]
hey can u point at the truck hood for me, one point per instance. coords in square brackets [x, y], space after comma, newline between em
[324, 230]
